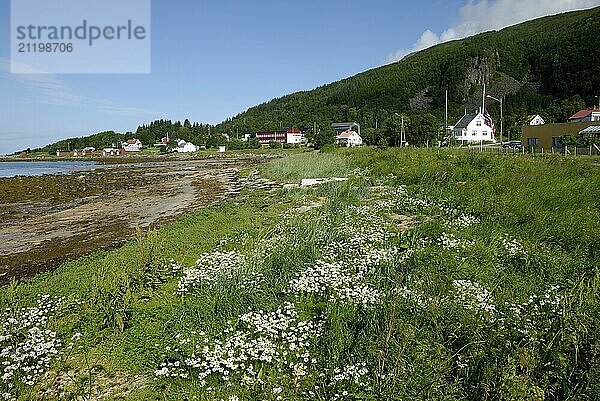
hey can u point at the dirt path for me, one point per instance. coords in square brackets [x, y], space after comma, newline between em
[45, 221]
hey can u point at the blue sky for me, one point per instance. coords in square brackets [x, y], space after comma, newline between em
[212, 60]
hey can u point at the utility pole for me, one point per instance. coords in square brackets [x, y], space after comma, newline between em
[501, 120]
[483, 102]
[402, 134]
[446, 116]
[501, 116]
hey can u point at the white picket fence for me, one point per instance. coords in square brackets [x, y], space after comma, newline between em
[593, 150]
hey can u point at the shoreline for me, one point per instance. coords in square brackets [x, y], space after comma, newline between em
[46, 220]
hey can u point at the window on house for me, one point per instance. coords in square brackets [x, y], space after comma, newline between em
[479, 123]
[474, 133]
[484, 133]
[532, 141]
[556, 143]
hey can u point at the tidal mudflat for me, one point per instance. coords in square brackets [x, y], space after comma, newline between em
[45, 220]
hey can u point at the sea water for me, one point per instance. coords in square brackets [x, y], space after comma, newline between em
[12, 169]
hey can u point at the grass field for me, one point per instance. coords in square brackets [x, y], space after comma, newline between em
[427, 275]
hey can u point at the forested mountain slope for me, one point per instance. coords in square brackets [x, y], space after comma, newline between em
[549, 66]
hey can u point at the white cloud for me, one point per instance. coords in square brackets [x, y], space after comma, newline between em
[48, 89]
[478, 16]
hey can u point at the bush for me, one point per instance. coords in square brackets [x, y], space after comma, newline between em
[275, 145]
[254, 143]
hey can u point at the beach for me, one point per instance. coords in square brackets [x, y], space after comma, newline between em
[46, 220]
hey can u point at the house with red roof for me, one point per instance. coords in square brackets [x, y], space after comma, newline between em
[587, 115]
[132, 145]
[295, 136]
[290, 136]
[348, 138]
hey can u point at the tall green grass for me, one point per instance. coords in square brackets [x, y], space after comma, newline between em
[130, 309]
[293, 168]
[552, 199]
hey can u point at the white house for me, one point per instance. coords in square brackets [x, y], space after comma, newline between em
[185, 147]
[295, 136]
[132, 145]
[474, 127]
[535, 120]
[349, 138]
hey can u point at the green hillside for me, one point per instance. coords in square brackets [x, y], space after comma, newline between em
[549, 66]
[98, 141]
